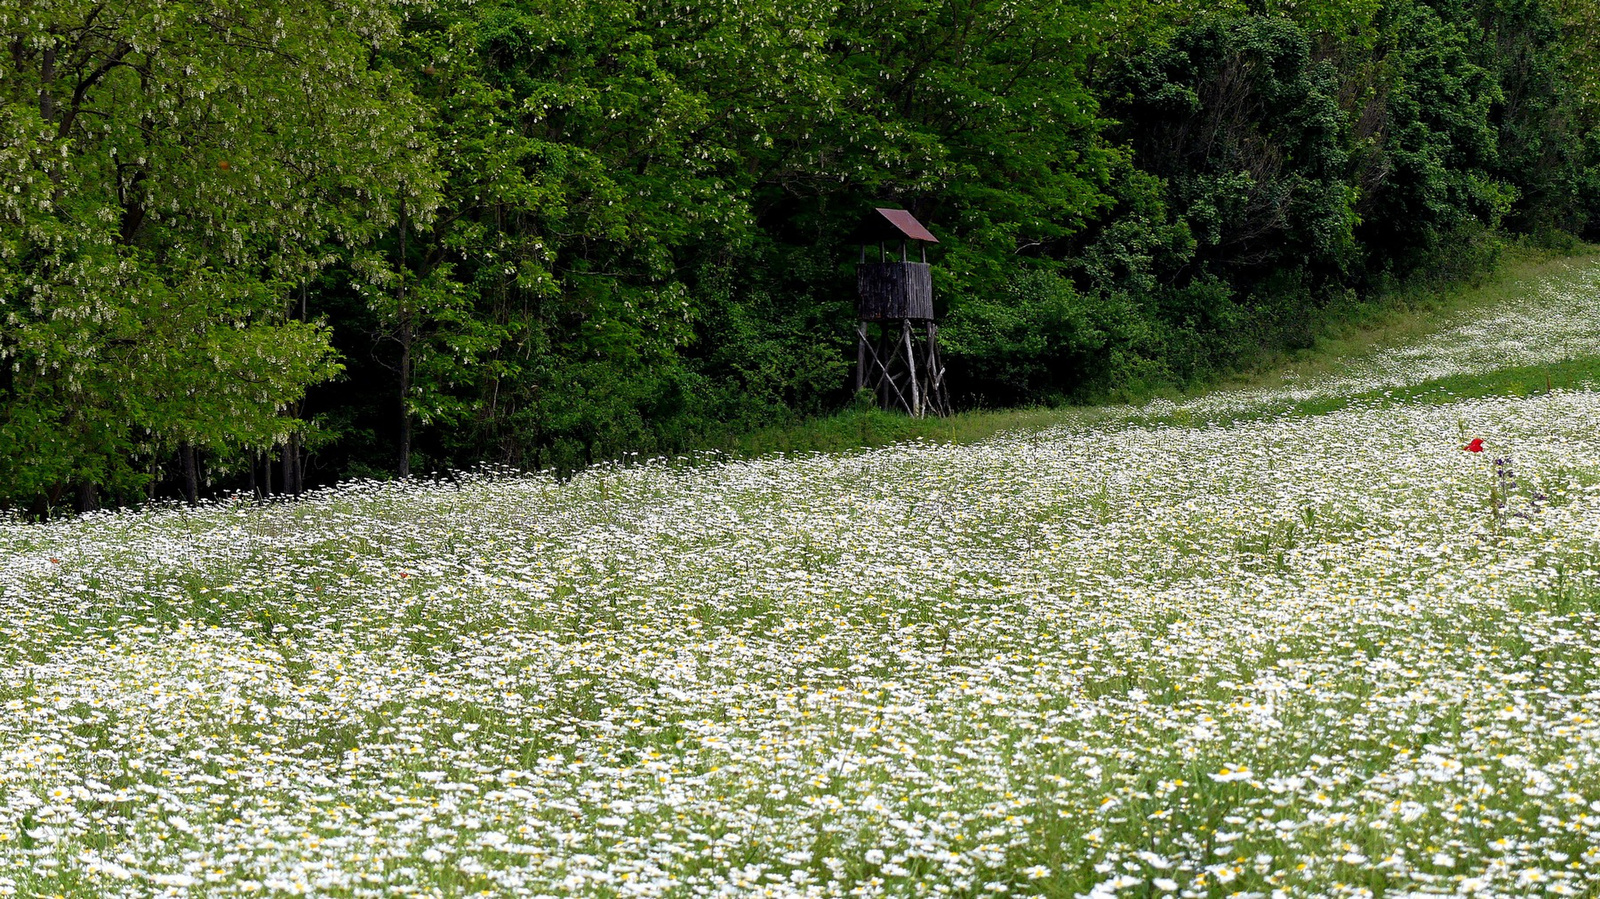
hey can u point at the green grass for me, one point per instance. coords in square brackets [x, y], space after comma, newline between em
[1522, 381]
[1527, 380]
[1409, 316]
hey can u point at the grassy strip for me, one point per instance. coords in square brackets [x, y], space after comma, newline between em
[1525, 380]
[1388, 322]
[1410, 317]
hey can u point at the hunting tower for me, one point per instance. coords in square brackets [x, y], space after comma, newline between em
[897, 343]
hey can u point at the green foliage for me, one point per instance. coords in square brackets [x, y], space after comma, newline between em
[591, 149]
[1043, 338]
[548, 233]
[172, 172]
[1247, 130]
[1432, 169]
[1252, 220]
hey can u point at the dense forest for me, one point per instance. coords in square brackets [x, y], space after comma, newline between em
[272, 244]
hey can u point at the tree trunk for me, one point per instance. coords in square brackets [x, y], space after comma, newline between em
[299, 482]
[266, 473]
[405, 407]
[407, 334]
[289, 461]
[47, 77]
[88, 497]
[47, 112]
[191, 473]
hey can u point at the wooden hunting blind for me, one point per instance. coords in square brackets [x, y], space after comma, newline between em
[897, 345]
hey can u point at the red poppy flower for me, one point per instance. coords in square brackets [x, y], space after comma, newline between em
[1476, 446]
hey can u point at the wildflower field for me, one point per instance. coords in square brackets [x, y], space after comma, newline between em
[1286, 642]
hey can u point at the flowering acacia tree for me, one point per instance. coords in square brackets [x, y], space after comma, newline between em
[172, 171]
[591, 150]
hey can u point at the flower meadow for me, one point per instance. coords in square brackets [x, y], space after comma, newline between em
[1296, 655]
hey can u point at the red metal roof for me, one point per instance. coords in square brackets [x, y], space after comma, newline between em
[907, 224]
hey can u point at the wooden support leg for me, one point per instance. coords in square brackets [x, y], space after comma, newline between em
[938, 398]
[861, 353]
[910, 347]
[903, 368]
[878, 368]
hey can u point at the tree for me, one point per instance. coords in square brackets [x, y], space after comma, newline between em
[1431, 180]
[174, 170]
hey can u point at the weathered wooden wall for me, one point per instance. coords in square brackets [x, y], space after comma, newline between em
[894, 290]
